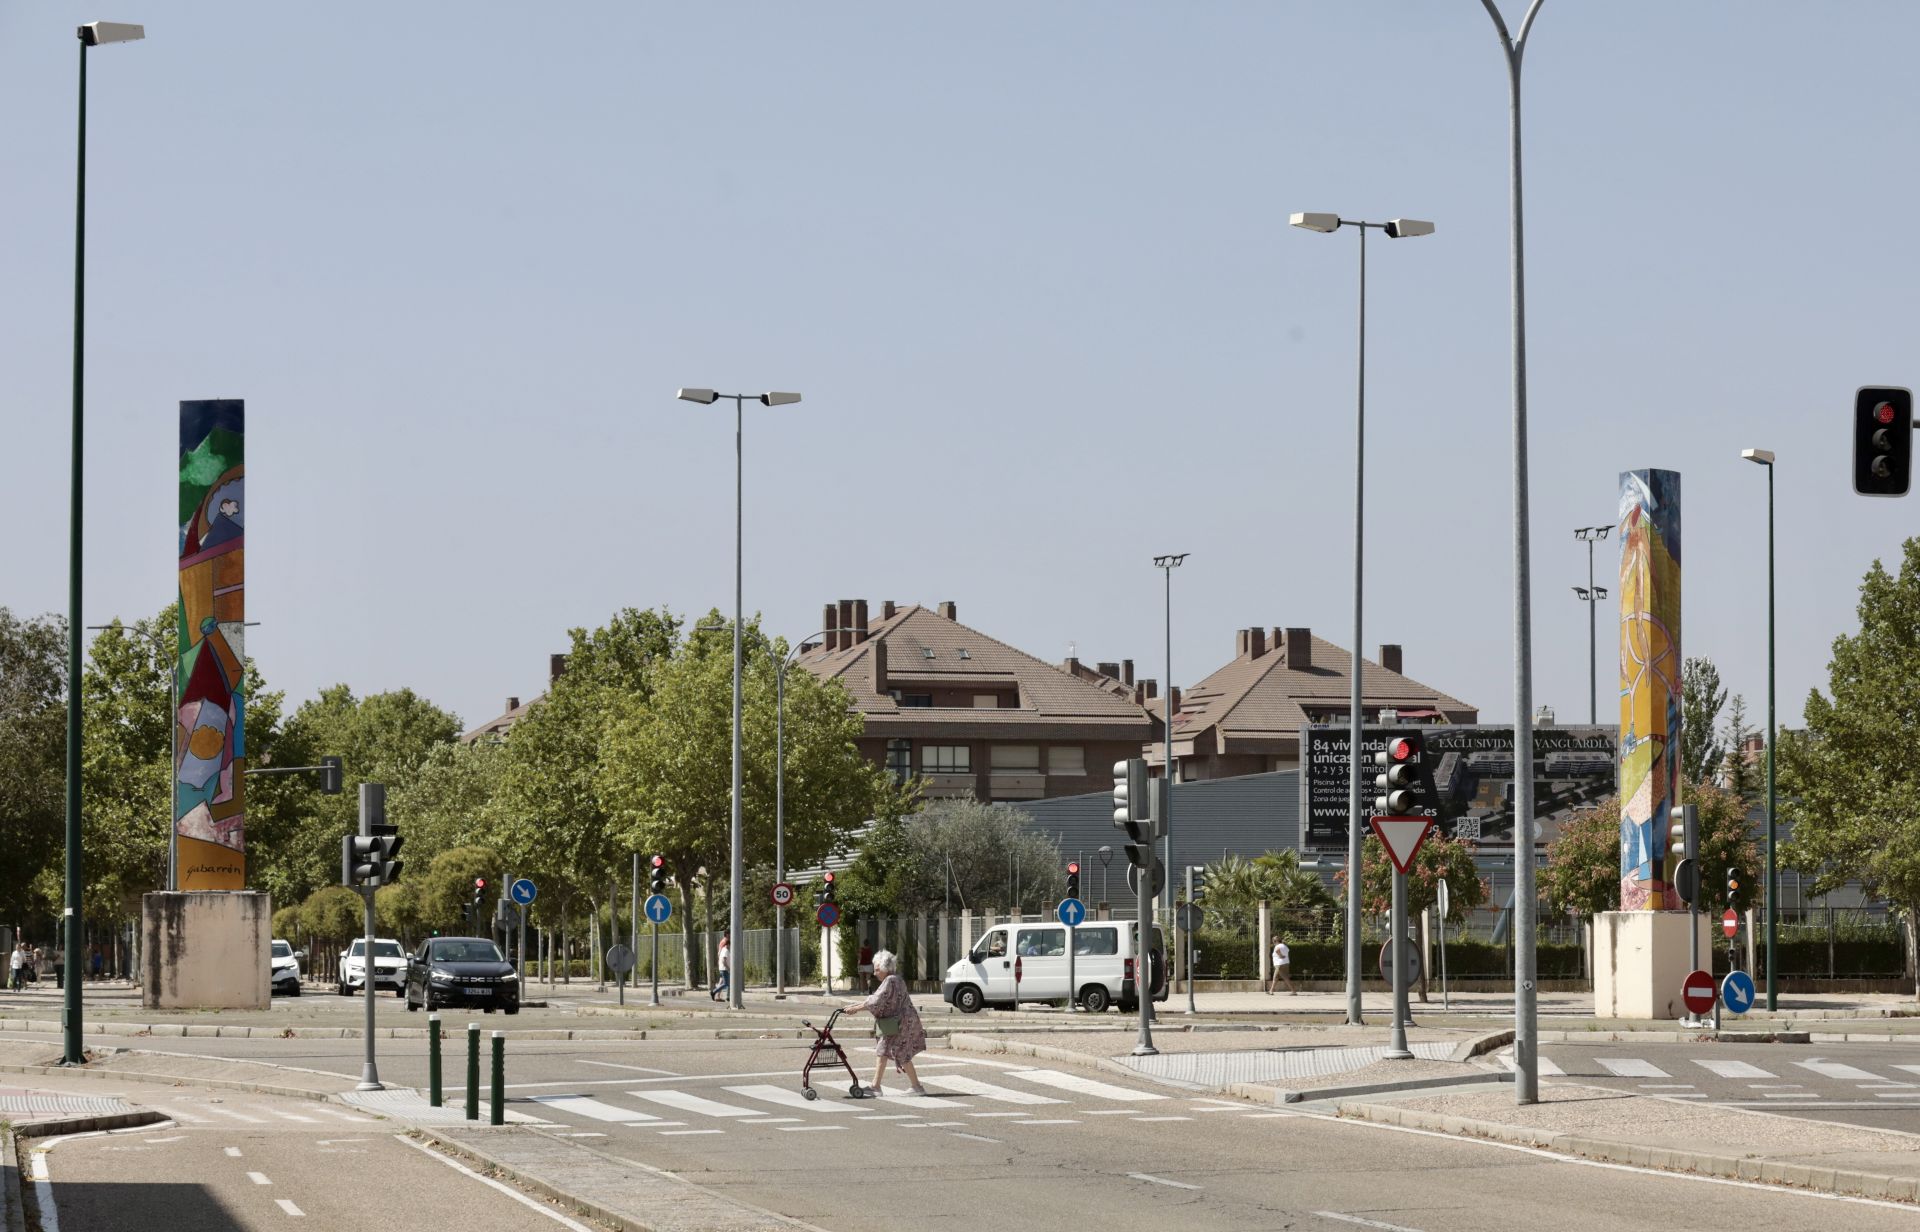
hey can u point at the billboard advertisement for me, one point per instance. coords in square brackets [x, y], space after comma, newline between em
[1470, 779]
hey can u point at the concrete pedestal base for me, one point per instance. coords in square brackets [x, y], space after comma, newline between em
[205, 950]
[1640, 959]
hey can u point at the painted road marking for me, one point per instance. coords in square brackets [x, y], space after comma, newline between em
[260, 1178]
[580, 1105]
[344, 1116]
[189, 1117]
[1159, 1180]
[1140, 1120]
[1365, 1223]
[1911, 1069]
[806, 1129]
[977, 1137]
[987, 1090]
[1546, 1068]
[683, 1133]
[1059, 1122]
[903, 1116]
[789, 1098]
[1731, 1069]
[292, 1116]
[638, 1069]
[286, 1204]
[238, 1116]
[770, 1120]
[510, 1191]
[1631, 1067]
[1834, 1069]
[685, 1101]
[1123, 1112]
[1666, 1086]
[1083, 1086]
[175, 1138]
[234, 1151]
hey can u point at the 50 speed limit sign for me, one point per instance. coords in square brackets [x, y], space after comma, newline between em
[782, 895]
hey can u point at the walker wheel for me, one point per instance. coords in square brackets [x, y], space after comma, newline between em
[809, 1093]
[857, 1091]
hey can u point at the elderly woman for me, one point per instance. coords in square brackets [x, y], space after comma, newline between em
[901, 1035]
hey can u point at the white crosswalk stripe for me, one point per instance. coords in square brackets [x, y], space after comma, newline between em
[594, 1109]
[1834, 1069]
[685, 1101]
[1631, 1067]
[1731, 1069]
[987, 1090]
[1911, 1069]
[1545, 1067]
[238, 1116]
[1081, 1086]
[290, 1116]
[788, 1098]
[340, 1114]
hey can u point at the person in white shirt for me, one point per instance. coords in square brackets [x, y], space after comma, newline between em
[722, 971]
[17, 967]
[1282, 967]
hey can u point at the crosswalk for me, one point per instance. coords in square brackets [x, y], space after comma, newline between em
[1790, 1082]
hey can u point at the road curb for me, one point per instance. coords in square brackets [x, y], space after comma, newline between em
[218, 1084]
[1480, 1045]
[89, 1124]
[1705, 1035]
[989, 1044]
[1667, 1159]
[13, 1215]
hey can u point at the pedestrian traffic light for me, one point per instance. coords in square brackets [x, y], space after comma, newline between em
[658, 878]
[1131, 807]
[1073, 879]
[825, 893]
[330, 775]
[1401, 771]
[1882, 440]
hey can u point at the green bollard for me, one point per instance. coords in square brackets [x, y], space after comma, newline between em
[433, 1060]
[473, 1071]
[498, 1090]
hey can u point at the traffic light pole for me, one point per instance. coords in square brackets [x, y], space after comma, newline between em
[1143, 962]
[373, 805]
[1397, 1049]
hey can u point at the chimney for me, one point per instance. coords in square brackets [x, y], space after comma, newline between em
[1256, 642]
[1277, 638]
[1175, 692]
[1126, 671]
[1299, 648]
[859, 621]
[878, 657]
[950, 610]
[1240, 643]
[1110, 670]
[556, 667]
[1390, 657]
[888, 610]
[845, 623]
[1149, 688]
[829, 620]
[1071, 666]
[513, 703]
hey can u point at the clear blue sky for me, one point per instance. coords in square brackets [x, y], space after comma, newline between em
[1029, 265]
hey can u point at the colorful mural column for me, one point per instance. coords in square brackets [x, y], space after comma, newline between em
[209, 745]
[1649, 683]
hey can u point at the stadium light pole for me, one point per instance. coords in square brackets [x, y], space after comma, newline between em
[1397, 228]
[736, 918]
[1590, 595]
[93, 34]
[1765, 458]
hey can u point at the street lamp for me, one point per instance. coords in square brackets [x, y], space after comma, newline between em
[1765, 458]
[780, 805]
[1396, 228]
[1526, 1008]
[93, 34]
[736, 918]
[1590, 595]
[1167, 564]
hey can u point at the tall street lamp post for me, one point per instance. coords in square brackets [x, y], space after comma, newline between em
[736, 918]
[780, 806]
[1397, 228]
[1526, 1009]
[1166, 565]
[1590, 595]
[93, 34]
[1765, 458]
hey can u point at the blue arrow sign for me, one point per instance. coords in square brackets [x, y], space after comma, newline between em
[658, 908]
[1736, 992]
[522, 892]
[1072, 911]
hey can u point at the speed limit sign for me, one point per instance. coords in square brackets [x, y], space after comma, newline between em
[782, 894]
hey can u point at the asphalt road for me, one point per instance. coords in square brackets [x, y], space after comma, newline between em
[1876, 1085]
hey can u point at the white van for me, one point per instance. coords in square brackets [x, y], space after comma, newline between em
[1012, 963]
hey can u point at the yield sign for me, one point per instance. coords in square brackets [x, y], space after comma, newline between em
[1401, 836]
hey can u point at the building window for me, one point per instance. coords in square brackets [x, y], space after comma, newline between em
[1067, 759]
[946, 759]
[916, 700]
[1016, 758]
[900, 760]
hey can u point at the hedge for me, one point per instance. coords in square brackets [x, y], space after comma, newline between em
[1230, 956]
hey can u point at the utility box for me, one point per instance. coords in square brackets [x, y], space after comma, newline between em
[206, 949]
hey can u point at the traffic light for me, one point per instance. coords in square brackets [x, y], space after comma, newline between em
[659, 875]
[1401, 771]
[1131, 811]
[825, 892]
[1733, 886]
[385, 845]
[1882, 440]
[479, 893]
[1683, 835]
[330, 775]
[1073, 879]
[1196, 882]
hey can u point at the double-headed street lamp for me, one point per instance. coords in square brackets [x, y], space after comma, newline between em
[1765, 458]
[736, 918]
[1590, 595]
[1396, 228]
[780, 804]
[93, 34]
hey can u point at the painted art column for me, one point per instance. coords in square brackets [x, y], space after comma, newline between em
[210, 686]
[1649, 683]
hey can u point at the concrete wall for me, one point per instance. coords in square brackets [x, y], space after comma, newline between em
[205, 950]
[1640, 959]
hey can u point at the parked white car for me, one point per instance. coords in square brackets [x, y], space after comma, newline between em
[389, 966]
[286, 969]
[1012, 963]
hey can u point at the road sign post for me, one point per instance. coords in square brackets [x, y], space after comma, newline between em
[1071, 912]
[1441, 903]
[1402, 836]
[659, 910]
[1696, 993]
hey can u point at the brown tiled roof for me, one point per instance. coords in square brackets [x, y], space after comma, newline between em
[1263, 697]
[495, 726]
[1049, 698]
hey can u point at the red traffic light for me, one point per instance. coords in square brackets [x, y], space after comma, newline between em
[1400, 748]
[827, 877]
[659, 861]
[1073, 866]
[1884, 412]
[479, 883]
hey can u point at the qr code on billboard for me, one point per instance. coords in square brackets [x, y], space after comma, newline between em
[1467, 828]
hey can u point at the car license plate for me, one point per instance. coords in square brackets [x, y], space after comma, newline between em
[479, 992]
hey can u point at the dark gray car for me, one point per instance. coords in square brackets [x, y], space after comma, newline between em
[455, 971]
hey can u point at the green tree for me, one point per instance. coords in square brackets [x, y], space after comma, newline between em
[1438, 859]
[1701, 697]
[443, 892]
[1855, 811]
[1583, 862]
[1237, 886]
[33, 741]
[991, 852]
[449, 800]
[1744, 778]
[331, 917]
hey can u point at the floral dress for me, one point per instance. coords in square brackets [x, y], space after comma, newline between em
[889, 999]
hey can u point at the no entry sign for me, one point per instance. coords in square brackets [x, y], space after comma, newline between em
[1697, 992]
[1730, 923]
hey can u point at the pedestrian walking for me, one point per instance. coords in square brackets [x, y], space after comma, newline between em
[59, 967]
[725, 981]
[902, 1037]
[17, 966]
[99, 961]
[1282, 967]
[866, 965]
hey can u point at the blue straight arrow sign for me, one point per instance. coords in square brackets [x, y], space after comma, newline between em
[658, 908]
[1072, 911]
